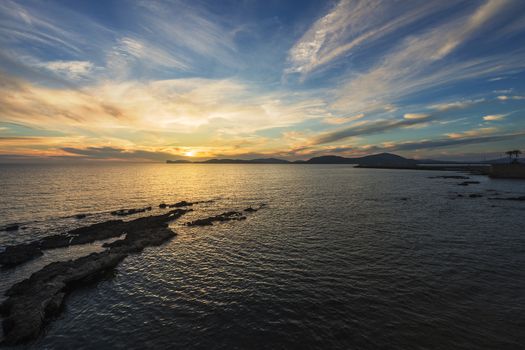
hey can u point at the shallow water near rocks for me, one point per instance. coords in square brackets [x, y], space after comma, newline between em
[339, 258]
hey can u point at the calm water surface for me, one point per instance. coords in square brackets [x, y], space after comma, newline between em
[340, 258]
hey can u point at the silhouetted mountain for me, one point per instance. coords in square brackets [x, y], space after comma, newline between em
[374, 160]
[379, 160]
[331, 160]
[247, 161]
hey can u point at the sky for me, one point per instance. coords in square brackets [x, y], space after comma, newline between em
[121, 80]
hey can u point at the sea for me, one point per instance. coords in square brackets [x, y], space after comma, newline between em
[337, 257]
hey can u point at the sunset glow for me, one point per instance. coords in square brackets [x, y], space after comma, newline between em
[149, 80]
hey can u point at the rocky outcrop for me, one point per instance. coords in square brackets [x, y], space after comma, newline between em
[227, 216]
[126, 212]
[19, 254]
[177, 205]
[33, 301]
[16, 255]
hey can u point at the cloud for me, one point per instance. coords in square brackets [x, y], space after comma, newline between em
[446, 106]
[112, 153]
[494, 117]
[343, 120]
[349, 25]
[515, 97]
[71, 69]
[160, 36]
[450, 142]
[472, 133]
[418, 63]
[368, 128]
[416, 116]
[191, 112]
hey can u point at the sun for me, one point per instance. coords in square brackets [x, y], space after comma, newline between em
[189, 153]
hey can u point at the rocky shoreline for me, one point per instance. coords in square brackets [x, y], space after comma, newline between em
[30, 304]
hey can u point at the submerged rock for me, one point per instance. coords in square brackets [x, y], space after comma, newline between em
[80, 216]
[475, 195]
[12, 227]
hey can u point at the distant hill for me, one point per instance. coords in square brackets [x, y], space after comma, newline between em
[247, 161]
[374, 160]
[234, 161]
[379, 160]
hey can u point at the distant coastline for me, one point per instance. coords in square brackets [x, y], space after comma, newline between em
[495, 168]
[374, 160]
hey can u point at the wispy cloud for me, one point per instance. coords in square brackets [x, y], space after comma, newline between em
[348, 25]
[416, 116]
[514, 97]
[195, 111]
[368, 128]
[418, 63]
[494, 117]
[71, 69]
[343, 120]
[473, 133]
[446, 106]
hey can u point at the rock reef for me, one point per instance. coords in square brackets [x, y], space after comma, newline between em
[226, 216]
[126, 212]
[180, 204]
[32, 302]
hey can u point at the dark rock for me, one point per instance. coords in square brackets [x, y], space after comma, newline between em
[227, 216]
[466, 183]
[33, 301]
[519, 199]
[126, 212]
[16, 255]
[250, 210]
[82, 235]
[13, 227]
[181, 204]
[163, 205]
[475, 195]
[456, 177]
[80, 216]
